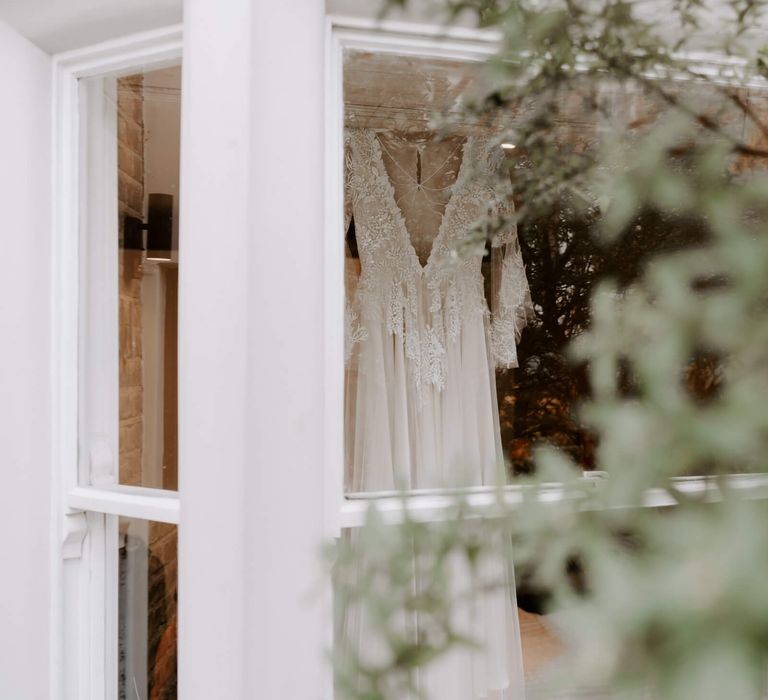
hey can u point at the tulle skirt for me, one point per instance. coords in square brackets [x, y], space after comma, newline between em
[400, 436]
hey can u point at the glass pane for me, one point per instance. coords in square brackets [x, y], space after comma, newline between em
[456, 337]
[147, 612]
[565, 260]
[148, 134]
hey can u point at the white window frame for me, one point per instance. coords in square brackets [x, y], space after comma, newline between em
[87, 501]
[471, 45]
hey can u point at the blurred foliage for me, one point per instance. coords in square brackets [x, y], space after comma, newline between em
[564, 262]
[646, 236]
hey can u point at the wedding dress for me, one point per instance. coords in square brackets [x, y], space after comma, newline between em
[422, 348]
[420, 339]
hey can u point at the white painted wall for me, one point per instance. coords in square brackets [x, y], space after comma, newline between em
[25, 498]
[286, 628]
[251, 321]
[213, 302]
[419, 11]
[56, 26]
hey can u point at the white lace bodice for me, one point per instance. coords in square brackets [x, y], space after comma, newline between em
[427, 306]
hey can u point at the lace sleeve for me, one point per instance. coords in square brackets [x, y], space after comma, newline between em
[511, 304]
[354, 332]
[347, 183]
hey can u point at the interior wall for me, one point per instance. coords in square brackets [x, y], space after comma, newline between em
[131, 189]
[25, 389]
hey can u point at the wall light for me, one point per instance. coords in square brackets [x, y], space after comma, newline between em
[159, 228]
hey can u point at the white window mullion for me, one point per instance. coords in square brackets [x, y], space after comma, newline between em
[127, 501]
[95, 645]
[69, 671]
[98, 351]
[98, 405]
[111, 586]
[134, 591]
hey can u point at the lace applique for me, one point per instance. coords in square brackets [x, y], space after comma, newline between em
[514, 308]
[354, 332]
[433, 361]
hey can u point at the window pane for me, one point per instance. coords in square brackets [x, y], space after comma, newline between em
[147, 617]
[456, 337]
[566, 258]
[148, 132]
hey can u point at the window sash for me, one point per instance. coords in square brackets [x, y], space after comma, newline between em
[127, 501]
[347, 510]
[86, 504]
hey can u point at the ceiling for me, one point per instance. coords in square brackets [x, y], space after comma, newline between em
[397, 91]
[60, 25]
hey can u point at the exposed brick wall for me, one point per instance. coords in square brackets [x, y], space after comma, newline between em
[130, 163]
[161, 642]
[163, 551]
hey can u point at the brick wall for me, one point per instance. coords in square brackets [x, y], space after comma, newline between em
[163, 552]
[130, 163]
[161, 642]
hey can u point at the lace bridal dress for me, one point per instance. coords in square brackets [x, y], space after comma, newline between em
[422, 350]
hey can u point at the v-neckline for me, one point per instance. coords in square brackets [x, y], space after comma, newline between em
[399, 212]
